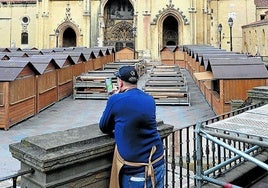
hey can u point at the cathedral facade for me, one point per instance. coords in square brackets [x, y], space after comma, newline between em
[143, 25]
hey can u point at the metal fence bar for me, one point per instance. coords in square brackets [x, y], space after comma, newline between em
[246, 156]
[166, 159]
[14, 177]
[217, 182]
[225, 163]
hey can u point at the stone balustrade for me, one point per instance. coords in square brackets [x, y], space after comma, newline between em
[79, 157]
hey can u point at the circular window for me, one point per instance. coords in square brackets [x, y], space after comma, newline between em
[25, 20]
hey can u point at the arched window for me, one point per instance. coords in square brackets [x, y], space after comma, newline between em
[118, 46]
[130, 45]
[24, 38]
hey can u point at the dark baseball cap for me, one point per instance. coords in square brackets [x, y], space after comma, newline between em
[127, 74]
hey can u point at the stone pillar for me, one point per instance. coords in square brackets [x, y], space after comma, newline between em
[79, 157]
[258, 94]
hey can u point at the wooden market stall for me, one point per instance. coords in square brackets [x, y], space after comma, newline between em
[17, 92]
[189, 53]
[65, 75]
[98, 61]
[89, 56]
[32, 81]
[224, 81]
[125, 53]
[197, 53]
[167, 55]
[179, 57]
[79, 59]
[46, 82]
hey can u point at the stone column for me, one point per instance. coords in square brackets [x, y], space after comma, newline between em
[79, 157]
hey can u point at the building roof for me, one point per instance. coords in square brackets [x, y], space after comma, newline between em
[261, 3]
[39, 62]
[206, 57]
[251, 68]
[234, 69]
[257, 23]
[10, 69]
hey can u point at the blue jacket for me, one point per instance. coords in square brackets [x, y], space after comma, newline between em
[131, 115]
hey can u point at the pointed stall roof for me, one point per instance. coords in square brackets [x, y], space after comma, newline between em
[17, 54]
[239, 72]
[251, 68]
[97, 52]
[14, 49]
[3, 56]
[196, 53]
[9, 70]
[205, 56]
[88, 55]
[60, 58]
[32, 52]
[189, 48]
[45, 51]
[104, 50]
[40, 63]
[111, 49]
[231, 56]
[4, 50]
[170, 48]
[76, 55]
[79, 48]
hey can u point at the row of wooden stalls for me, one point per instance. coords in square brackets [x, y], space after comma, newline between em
[31, 80]
[224, 77]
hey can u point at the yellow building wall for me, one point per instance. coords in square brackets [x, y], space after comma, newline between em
[197, 22]
[11, 25]
[242, 12]
[255, 39]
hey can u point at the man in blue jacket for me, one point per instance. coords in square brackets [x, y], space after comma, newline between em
[130, 115]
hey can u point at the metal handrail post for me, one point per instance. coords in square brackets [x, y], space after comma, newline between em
[217, 182]
[246, 156]
[198, 175]
[211, 170]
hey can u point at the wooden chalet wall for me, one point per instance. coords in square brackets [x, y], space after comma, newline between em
[42, 83]
[4, 105]
[22, 97]
[229, 88]
[18, 98]
[65, 78]
[125, 54]
[47, 88]
[171, 55]
[167, 55]
[79, 65]
[89, 63]
[179, 57]
[98, 61]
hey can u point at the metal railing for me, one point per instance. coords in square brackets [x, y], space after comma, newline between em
[180, 154]
[15, 176]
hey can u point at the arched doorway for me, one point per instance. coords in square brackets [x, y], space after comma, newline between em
[170, 31]
[69, 38]
[118, 19]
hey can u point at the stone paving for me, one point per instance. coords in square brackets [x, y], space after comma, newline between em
[69, 113]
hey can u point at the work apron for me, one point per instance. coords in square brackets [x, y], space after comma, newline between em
[119, 162]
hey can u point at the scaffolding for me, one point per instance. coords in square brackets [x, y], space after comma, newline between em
[249, 128]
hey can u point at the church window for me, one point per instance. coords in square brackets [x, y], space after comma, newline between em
[24, 38]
